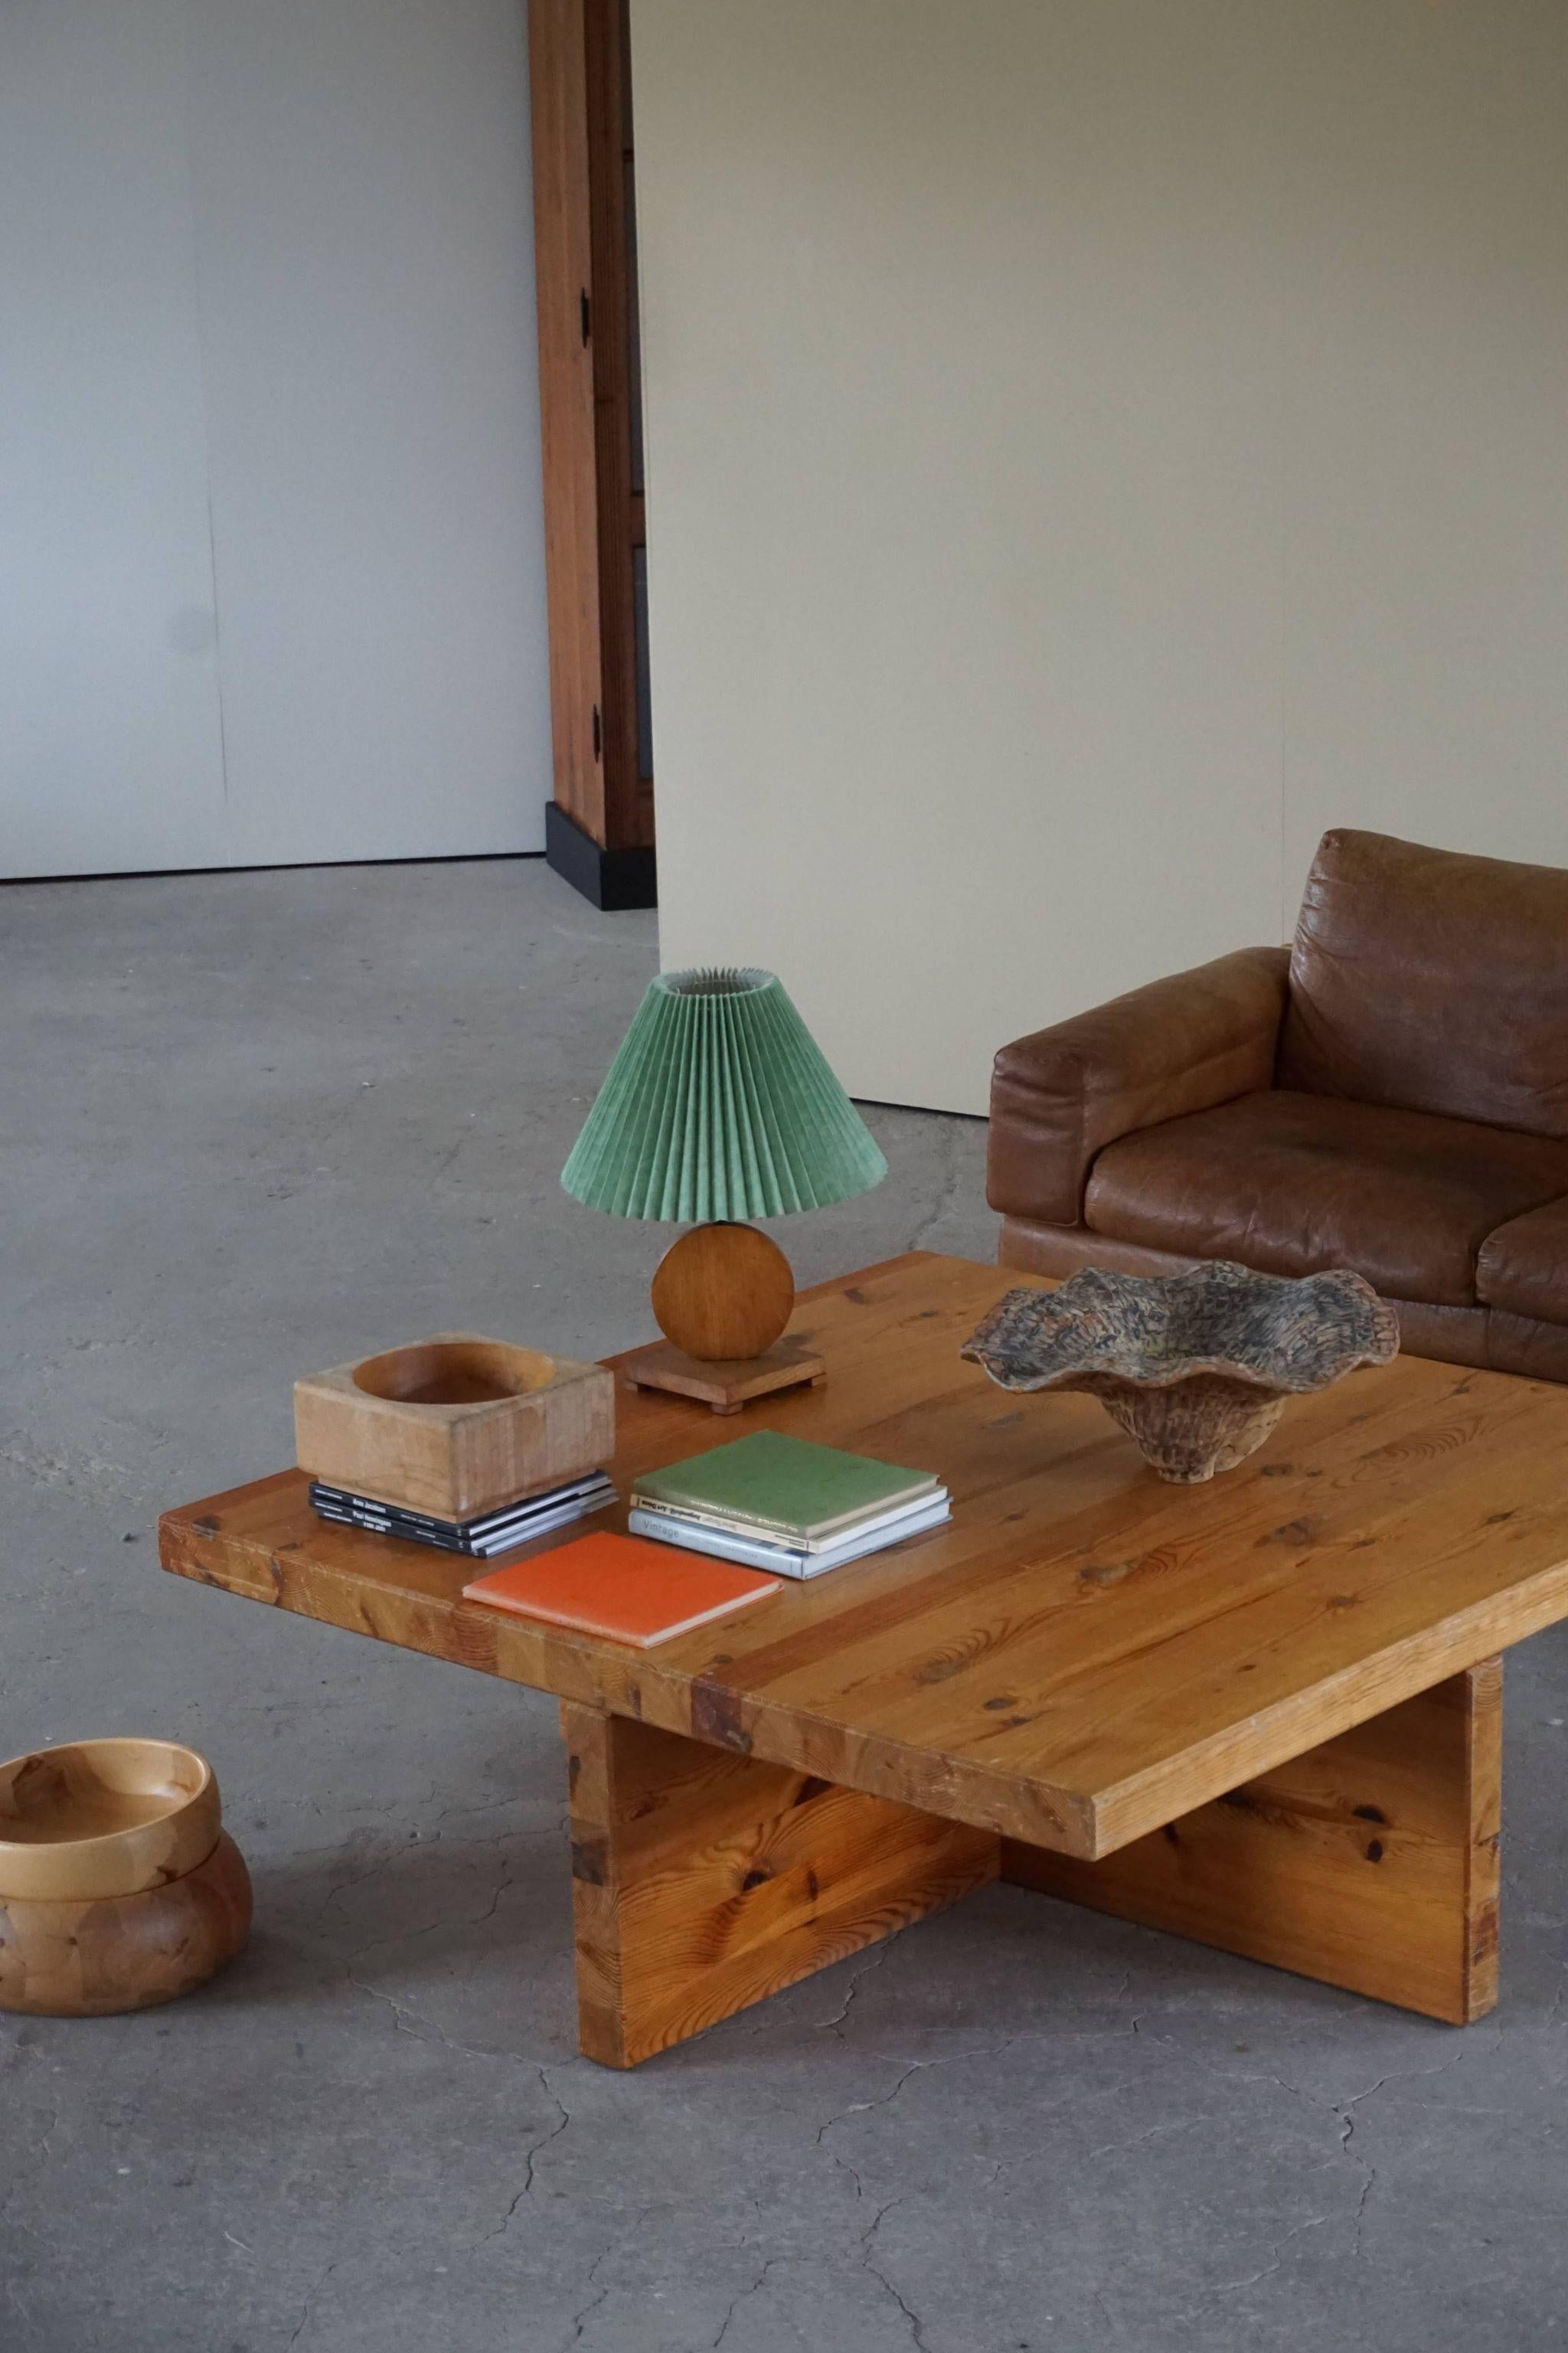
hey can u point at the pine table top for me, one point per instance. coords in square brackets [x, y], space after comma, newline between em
[1084, 1652]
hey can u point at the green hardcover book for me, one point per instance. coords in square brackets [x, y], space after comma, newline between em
[782, 1486]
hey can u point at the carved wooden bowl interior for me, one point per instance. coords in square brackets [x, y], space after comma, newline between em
[104, 1818]
[454, 1372]
[1196, 1368]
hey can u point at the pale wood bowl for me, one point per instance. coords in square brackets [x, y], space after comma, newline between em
[99, 1818]
[454, 1425]
[91, 1959]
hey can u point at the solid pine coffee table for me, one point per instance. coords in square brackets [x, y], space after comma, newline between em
[1264, 1712]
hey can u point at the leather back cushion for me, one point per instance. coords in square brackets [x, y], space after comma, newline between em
[1431, 982]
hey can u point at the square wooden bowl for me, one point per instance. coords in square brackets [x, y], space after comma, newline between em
[454, 1425]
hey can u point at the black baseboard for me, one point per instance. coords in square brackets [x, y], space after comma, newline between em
[610, 879]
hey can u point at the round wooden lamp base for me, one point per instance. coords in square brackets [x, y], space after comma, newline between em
[723, 1292]
[722, 1296]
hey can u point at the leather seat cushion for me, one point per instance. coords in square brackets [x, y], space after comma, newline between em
[1288, 1183]
[1523, 1267]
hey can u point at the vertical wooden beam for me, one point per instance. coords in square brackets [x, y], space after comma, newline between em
[703, 1881]
[628, 797]
[602, 825]
[563, 268]
[1371, 1861]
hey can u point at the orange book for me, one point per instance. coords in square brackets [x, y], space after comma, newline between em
[622, 1587]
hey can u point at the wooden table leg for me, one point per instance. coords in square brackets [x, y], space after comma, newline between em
[1371, 1861]
[703, 1881]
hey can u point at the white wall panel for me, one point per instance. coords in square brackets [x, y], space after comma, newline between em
[364, 253]
[270, 494]
[109, 745]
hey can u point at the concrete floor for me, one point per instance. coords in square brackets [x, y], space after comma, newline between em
[255, 1123]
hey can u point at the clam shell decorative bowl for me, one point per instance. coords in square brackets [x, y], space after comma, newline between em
[1196, 1368]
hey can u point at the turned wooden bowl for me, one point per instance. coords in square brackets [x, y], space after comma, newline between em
[119, 1886]
[1196, 1368]
[92, 1957]
[454, 1425]
[100, 1818]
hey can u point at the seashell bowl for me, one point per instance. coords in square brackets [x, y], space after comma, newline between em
[1196, 1367]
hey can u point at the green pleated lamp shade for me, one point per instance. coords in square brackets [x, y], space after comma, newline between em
[720, 1105]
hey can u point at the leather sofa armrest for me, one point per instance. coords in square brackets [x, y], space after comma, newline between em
[1179, 1045]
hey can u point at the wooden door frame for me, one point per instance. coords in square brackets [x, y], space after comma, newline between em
[599, 825]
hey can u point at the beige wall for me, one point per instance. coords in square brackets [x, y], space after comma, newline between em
[1093, 445]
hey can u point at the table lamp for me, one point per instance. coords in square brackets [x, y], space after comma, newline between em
[720, 1107]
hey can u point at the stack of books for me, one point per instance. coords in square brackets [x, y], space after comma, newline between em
[781, 1503]
[497, 1531]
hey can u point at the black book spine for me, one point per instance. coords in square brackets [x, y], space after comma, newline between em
[371, 1523]
[398, 1515]
[364, 1511]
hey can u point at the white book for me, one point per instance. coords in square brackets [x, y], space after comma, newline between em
[723, 1524]
[580, 1507]
[754, 1552]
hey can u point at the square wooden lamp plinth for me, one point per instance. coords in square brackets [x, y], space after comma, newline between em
[724, 1384]
[454, 1425]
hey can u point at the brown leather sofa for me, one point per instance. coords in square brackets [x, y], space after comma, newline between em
[1390, 1093]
